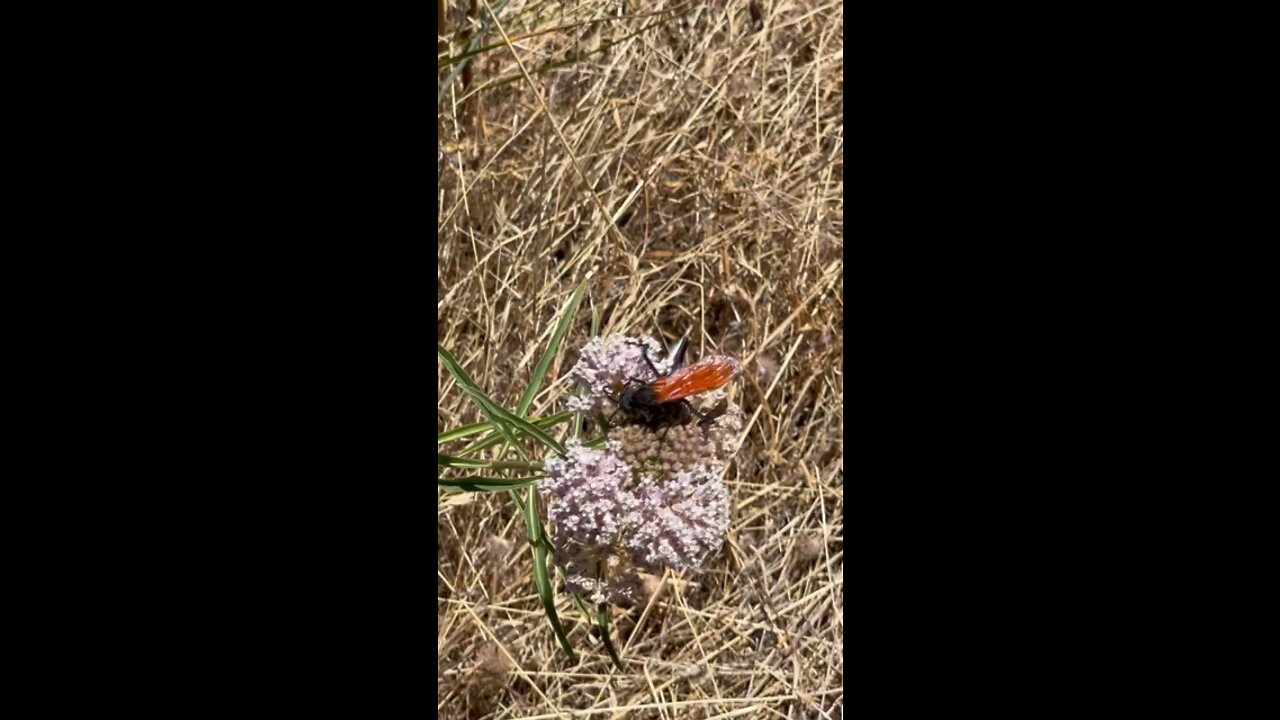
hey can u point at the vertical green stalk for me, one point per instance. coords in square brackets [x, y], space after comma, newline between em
[540, 544]
[602, 622]
[540, 579]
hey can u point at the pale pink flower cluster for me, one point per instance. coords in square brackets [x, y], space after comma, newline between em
[610, 522]
[684, 519]
[605, 366]
[589, 500]
[646, 500]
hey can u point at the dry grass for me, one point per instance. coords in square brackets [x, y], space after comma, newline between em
[695, 172]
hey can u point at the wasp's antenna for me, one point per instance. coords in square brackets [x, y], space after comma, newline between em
[676, 355]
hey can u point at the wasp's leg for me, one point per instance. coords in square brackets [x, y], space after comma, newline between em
[703, 418]
[644, 352]
[666, 428]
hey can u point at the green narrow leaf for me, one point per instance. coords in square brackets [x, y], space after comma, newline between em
[540, 579]
[500, 418]
[472, 463]
[530, 429]
[492, 439]
[452, 366]
[580, 423]
[580, 604]
[553, 349]
[577, 599]
[461, 432]
[602, 620]
[485, 484]
[519, 503]
[443, 460]
[603, 625]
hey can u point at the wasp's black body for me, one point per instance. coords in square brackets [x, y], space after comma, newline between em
[640, 400]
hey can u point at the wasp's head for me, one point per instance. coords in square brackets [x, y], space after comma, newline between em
[636, 395]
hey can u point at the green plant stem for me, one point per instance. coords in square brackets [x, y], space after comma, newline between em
[490, 440]
[602, 622]
[484, 484]
[540, 579]
[474, 463]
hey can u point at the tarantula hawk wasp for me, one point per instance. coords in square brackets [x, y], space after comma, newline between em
[664, 401]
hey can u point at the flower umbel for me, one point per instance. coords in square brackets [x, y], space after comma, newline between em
[685, 519]
[591, 503]
[651, 497]
[604, 368]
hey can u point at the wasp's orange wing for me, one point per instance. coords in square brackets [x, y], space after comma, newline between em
[707, 374]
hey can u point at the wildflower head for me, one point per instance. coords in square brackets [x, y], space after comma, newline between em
[605, 366]
[685, 520]
[591, 503]
[613, 518]
[648, 498]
